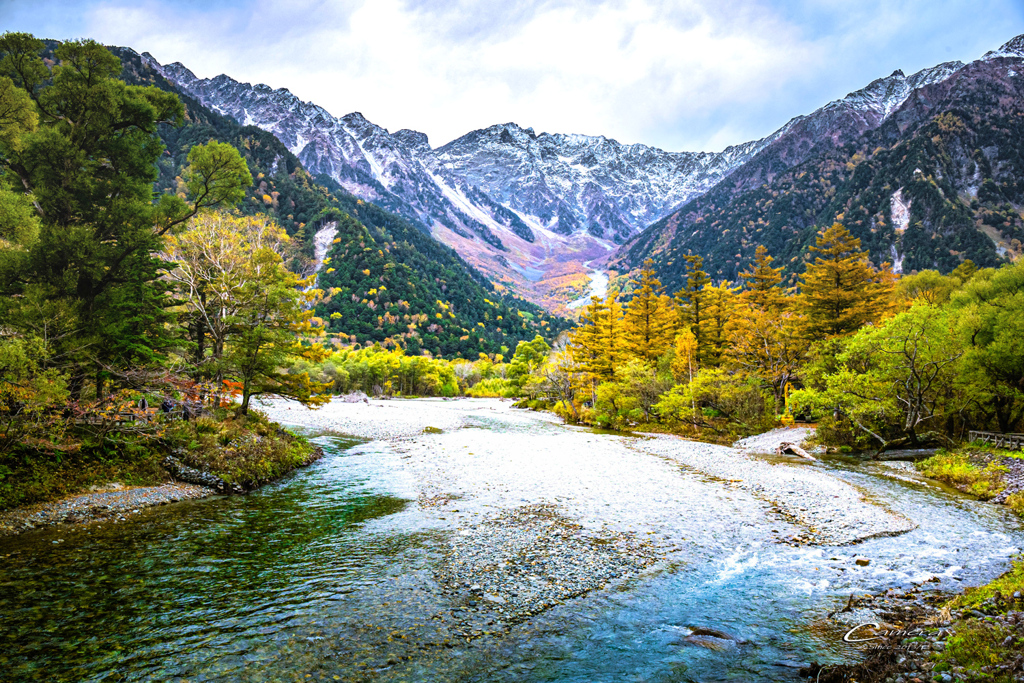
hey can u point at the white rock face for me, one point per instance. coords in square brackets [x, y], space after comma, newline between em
[322, 242]
[900, 211]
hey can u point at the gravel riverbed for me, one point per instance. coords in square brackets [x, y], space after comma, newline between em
[540, 512]
[113, 504]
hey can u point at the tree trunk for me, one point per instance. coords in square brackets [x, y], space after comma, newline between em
[246, 395]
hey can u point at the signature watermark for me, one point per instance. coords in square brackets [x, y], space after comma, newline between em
[868, 633]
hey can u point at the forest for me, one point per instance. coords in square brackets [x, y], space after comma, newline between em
[878, 361]
[154, 253]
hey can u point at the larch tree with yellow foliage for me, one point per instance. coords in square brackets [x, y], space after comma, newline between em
[649, 320]
[765, 340]
[841, 291]
[689, 301]
[598, 340]
[719, 308]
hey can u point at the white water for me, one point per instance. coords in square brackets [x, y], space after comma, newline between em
[598, 287]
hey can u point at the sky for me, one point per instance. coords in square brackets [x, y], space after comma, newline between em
[688, 75]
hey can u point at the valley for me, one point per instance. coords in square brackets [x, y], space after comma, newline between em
[528, 209]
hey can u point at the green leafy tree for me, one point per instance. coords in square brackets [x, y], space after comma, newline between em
[524, 369]
[990, 314]
[898, 382]
[82, 147]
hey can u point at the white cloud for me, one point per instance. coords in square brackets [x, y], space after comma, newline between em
[689, 74]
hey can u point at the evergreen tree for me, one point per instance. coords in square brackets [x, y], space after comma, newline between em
[648, 325]
[83, 147]
[598, 340]
[840, 291]
[720, 306]
[762, 282]
[689, 301]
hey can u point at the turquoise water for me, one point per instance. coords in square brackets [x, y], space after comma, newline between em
[327, 576]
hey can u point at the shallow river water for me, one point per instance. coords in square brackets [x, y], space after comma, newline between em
[331, 574]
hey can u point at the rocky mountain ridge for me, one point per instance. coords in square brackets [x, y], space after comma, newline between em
[926, 170]
[525, 207]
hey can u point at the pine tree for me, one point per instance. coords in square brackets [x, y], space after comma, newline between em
[598, 338]
[586, 338]
[84, 147]
[720, 306]
[648, 325]
[840, 291]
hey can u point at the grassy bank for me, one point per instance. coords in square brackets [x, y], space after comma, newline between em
[248, 451]
[980, 471]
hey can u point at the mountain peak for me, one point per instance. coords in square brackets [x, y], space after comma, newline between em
[1012, 48]
[413, 139]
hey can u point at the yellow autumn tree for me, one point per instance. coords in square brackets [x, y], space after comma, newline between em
[690, 304]
[684, 361]
[598, 340]
[719, 308]
[765, 339]
[761, 282]
[649, 320]
[237, 293]
[841, 291]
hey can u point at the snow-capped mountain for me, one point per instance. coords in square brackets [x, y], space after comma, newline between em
[516, 204]
[567, 184]
[520, 205]
[813, 174]
[880, 98]
[573, 183]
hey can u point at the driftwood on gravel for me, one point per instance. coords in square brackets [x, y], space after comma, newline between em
[787, 447]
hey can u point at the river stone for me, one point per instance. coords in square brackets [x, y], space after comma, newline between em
[862, 561]
[497, 599]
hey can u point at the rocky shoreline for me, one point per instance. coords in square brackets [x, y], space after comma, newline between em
[114, 502]
[527, 560]
[905, 630]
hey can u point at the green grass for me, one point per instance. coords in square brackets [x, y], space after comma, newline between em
[978, 643]
[29, 477]
[955, 469]
[1005, 585]
[249, 451]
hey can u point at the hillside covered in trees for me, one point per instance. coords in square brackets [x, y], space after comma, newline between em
[937, 183]
[155, 265]
[421, 277]
[877, 360]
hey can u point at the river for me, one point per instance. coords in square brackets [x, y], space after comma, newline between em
[598, 286]
[339, 571]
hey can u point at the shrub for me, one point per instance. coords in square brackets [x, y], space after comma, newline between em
[248, 450]
[1016, 503]
[955, 468]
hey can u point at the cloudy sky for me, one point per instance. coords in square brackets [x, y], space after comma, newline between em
[685, 75]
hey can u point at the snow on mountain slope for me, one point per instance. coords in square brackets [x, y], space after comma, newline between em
[503, 196]
[574, 183]
[513, 201]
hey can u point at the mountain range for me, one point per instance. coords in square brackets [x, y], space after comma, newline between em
[927, 171]
[536, 211]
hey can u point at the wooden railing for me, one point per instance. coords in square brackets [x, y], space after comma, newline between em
[1011, 442]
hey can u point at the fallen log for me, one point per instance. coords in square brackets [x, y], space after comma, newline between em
[787, 447]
